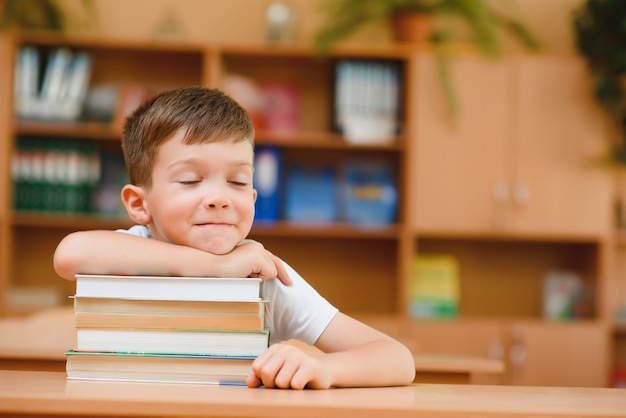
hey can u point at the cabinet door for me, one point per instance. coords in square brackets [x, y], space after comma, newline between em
[459, 165]
[567, 354]
[556, 187]
[481, 338]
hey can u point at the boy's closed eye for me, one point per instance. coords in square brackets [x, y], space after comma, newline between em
[188, 182]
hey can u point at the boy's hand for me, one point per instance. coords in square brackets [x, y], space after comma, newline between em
[252, 259]
[290, 365]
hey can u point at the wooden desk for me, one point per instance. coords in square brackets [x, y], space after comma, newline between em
[50, 394]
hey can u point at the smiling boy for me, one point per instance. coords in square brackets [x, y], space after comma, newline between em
[189, 154]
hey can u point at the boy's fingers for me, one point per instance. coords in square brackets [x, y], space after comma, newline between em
[252, 381]
[282, 274]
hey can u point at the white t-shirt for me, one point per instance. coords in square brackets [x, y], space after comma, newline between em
[297, 311]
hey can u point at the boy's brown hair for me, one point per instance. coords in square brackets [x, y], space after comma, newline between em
[206, 115]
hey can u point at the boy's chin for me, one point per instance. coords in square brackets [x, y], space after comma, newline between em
[217, 248]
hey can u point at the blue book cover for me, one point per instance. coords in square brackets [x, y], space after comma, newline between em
[267, 174]
[370, 193]
[311, 194]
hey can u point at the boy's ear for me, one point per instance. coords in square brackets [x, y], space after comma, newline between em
[133, 199]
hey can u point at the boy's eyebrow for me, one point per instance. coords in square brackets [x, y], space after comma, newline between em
[192, 160]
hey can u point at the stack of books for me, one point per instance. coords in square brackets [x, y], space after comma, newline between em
[167, 329]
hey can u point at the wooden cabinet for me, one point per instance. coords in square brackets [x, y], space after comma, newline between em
[512, 191]
[520, 158]
[459, 165]
[557, 354]
[534, 352]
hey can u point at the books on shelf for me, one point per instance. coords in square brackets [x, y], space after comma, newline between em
[367, 98]
[267, 181]
[370, 195]
[56, 93]
[311, 193]
[273, 106]
[169, 288]
[566, 295]
[166, 368]
[55, 175]
[26, 83]
[434, 287]
[166, 329]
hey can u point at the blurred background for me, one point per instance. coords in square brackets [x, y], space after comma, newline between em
[461, 191]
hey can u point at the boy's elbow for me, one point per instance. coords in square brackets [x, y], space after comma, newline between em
[408, 375]
[66, 256]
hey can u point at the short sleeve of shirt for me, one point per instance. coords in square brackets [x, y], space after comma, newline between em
[138, 230]
[297, 311]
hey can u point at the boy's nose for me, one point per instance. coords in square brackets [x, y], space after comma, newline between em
[216, 197]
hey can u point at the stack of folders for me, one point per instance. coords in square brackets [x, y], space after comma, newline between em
[167, 329]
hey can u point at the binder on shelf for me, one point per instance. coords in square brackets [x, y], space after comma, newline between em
[267, 182]
[366, 101]
[370, 193]
[310, 194]
[434, 286]
[56, 74]
[26, 84]
[57, 93]
[54, 175]
[75, 87]
[281, 112]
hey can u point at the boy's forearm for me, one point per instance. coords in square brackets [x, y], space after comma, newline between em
[110, 252]
[377, 363]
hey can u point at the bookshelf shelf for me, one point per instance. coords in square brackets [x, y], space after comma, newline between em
[83, 130]
[67, 221]
[334, 230]
[324, 141]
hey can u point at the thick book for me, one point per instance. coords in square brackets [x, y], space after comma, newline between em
[168, 321]
[167, 368]
[175, 341]
[168, 307]
[169, 288]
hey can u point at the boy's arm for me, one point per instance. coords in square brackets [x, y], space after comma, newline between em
[352, 355]
[111, 252]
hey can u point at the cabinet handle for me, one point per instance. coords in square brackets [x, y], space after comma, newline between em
[517, 354]
[500, 191]
[496, 351]
[500, 194]
[521, 193]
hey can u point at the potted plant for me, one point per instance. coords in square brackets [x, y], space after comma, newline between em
[343, 18]
[600, 37]
[48, 15]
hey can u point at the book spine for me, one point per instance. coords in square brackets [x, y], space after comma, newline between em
[267, 174]
[26, 87]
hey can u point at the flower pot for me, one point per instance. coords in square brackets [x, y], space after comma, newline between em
[411, 27]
